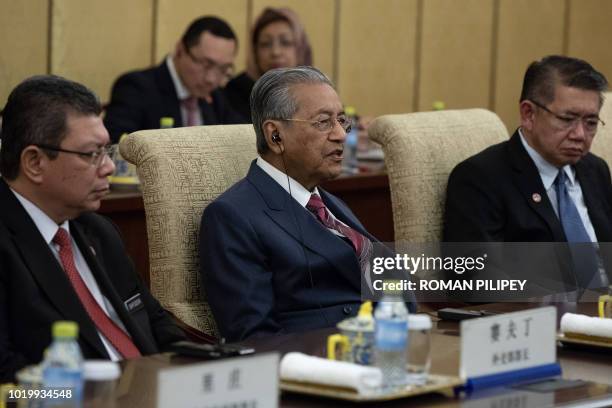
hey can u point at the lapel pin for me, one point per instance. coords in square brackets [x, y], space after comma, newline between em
[536, 197]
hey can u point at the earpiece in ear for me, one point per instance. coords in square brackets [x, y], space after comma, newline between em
[276, 138]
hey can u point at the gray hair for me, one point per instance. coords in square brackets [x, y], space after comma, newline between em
[271, 96]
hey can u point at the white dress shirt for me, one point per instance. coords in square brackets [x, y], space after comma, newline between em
[297, 191]
[182, 93]
[48, 228]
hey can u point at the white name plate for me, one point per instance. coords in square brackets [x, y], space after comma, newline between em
[508, 342]
[234, 382]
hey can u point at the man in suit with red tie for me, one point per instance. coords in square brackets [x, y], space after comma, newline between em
[58, 260]
[185, 86]
[278, 253]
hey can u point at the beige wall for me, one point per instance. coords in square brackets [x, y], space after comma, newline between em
[386, 56]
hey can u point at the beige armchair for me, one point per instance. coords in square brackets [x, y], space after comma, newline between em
[181, 171]
[602, 144]
[420, 150]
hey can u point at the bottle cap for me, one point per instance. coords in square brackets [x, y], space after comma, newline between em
[365, 311]
[419, 322]
[101, 370]
[438, 105]
[65, 328]
[166, 122]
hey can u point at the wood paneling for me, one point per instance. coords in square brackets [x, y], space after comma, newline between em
[93, 42]
[173, 17]
[523, 38]
[590, 33]
[376, 55]
[317, 16]
[456, 53]
[23, 41]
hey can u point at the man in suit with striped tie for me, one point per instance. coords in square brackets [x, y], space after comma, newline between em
[278, 253]
[58, 260]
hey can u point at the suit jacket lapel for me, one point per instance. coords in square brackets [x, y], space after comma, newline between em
[592, 197]
[91, 249]
[529, 182]
[45, 268]
[170, 101]
[302, 225]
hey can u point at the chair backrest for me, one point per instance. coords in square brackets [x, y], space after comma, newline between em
[420, 150]
[602, 144]
[181, 171]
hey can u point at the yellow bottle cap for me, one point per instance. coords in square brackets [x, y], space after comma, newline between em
[365, 310]
[438, 105]
[65, 328]
[166, 122]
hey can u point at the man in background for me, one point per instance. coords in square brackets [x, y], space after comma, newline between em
[542, 185]
[278, 253]
[184, 87]
[58, 260]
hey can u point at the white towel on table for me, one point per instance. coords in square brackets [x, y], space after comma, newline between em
[301, 367]
[590, 326]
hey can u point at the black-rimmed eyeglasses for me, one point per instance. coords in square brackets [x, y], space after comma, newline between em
[567, 122]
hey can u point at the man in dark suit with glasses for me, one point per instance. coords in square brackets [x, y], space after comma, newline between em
[278, 253]
[59, 260]
[543, 185]
[184, 87]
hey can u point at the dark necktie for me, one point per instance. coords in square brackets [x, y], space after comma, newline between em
[115, 335]
[361, 244]
[191, 105]
[584, 255]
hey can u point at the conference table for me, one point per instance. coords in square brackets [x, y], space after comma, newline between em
[139, 379]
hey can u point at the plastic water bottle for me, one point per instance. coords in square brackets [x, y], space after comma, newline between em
[391, 337]
[352, 138]
[63, 368]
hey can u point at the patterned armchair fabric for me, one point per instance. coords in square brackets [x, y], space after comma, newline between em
[602, 145]
[181, 171]
[420, 150]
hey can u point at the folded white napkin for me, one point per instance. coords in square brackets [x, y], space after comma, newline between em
[301, 367]
[586, 325]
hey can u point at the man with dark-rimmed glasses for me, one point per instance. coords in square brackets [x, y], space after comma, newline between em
[543, 185]
[59, 260]
[184, 87]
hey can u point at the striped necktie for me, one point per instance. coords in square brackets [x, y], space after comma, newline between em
[361, 244]
[113, 333]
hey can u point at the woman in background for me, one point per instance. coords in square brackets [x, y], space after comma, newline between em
[278, 40]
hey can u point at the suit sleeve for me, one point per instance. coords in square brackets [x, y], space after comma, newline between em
[233, 269]
[125, 112]
[473, 210]
[10, 360]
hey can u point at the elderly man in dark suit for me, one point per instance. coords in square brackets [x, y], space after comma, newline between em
[59, 261]
[543, 185]
[184, 87]
[279, 254]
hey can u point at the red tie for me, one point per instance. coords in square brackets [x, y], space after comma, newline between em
[113, 333]
[361, 244]
[191, 105]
